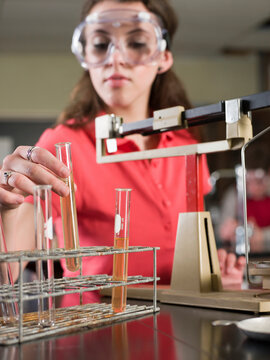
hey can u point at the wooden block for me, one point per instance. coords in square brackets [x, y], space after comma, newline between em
[266, 282]
[243, 300]
[144, 292]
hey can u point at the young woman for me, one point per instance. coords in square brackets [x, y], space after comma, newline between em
[124, 47]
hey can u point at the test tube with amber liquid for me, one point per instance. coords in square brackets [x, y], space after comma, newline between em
[68, 208]
[121, 241]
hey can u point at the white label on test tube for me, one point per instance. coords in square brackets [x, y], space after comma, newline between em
[48, 229]
[117, 223]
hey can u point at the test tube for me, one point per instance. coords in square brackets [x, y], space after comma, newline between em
[8, 308]
[121, 241]
[44, 241]
[68, 207]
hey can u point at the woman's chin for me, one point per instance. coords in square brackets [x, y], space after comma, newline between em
[117, 103]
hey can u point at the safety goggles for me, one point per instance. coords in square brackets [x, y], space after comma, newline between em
[138, 36]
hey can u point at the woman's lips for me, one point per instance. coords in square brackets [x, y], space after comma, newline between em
[116, 80]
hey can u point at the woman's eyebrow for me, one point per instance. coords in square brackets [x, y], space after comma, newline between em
[138, 30]
[101, 31]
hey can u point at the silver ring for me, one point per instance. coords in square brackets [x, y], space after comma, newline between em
[29, 153]
[7, 175]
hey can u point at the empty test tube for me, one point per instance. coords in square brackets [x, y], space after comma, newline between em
[121, 241]
[44, 241]
[68, 207]
[8, 308]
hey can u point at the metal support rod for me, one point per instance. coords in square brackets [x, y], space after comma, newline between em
[243, 163]
[155, 279]
[20, 301]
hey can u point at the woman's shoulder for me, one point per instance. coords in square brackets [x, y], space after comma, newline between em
[60, 133]
[58, 130]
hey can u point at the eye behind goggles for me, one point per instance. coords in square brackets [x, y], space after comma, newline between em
[113, 20]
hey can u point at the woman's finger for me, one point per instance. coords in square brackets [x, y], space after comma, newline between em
[43, 157]
[40, 175]
[241, 263]
[42, 168]
[234, 265]
[8, 198]
[29, 176]
[20, 182]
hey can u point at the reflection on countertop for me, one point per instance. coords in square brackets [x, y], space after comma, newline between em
[177, 332]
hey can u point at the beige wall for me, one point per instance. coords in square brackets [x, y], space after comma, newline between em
[36, 84]
[211, 79]
[39, 84]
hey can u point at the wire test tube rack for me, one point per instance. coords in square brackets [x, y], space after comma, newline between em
[75, 318]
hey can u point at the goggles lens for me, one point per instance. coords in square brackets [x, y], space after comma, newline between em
[136, 35]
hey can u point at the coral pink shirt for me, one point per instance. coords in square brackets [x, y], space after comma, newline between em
[159, 188]
[258, 211]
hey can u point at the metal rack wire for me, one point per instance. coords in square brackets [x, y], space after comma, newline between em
[69, 319]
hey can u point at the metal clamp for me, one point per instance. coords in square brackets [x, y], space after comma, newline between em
[169, 118]
[238, 124]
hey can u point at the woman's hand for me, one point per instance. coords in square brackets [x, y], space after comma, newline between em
[28, 166]
[231, 268]
[227, 229]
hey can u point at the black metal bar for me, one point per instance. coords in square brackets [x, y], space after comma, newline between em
[142, 126]
[201, 115]
[256, 101]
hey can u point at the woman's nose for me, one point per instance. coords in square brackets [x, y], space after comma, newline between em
[116, 56]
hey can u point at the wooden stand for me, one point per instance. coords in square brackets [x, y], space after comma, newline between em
[196, 277]
[195, 265]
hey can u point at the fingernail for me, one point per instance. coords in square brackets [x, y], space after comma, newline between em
[64, 172]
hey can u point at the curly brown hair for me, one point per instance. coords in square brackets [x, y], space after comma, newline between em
[167, 90]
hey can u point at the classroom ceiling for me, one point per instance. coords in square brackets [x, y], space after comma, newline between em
[207, 27]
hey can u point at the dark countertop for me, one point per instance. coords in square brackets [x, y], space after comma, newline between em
[176, 332]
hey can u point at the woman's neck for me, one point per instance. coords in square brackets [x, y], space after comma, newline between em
[129, 115]
[145, 142]
[133, 114]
